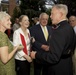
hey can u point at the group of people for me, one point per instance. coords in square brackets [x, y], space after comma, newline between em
[49, 47]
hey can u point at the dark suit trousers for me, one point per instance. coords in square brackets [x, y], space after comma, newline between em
[40, 69]
[22, 67]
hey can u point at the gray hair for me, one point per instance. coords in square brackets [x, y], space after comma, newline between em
[43, 14]
[62, 7]
[3, 15]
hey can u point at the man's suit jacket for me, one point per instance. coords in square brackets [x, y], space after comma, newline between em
[37, 33]
[62, 43]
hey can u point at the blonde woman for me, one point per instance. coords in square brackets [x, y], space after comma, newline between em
[22, 36]
[7, 66]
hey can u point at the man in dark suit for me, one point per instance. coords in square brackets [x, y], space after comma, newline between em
[61, 44]
[72, 21]
[41, 33]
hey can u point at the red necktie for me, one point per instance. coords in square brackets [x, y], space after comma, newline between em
[24, 44]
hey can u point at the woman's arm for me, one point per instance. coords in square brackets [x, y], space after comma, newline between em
[5, 56]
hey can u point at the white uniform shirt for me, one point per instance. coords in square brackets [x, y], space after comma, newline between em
[75, 29]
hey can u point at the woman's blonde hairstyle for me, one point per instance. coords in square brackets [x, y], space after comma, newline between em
[21, 17]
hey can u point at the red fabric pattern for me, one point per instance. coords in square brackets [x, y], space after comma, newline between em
[24, 44]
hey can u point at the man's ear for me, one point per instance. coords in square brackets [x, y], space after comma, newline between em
[61, 14]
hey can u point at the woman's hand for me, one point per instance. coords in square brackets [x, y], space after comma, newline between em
[19, 47]
[28, 58]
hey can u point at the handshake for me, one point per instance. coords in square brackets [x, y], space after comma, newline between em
[20, 47]
[31, 57]
[27, 57]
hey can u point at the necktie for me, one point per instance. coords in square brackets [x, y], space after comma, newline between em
[45, 33]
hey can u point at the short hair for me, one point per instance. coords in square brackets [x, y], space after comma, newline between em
[62, 7]
[3, 15]
[73, 16]
[43, 14]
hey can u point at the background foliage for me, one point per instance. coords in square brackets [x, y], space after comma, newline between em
[33, 8]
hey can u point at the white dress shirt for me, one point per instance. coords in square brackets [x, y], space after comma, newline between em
[75, 29]
[43, 30]
[17, 40]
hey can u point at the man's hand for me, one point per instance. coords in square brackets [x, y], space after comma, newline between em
[32, 54]
[45, 47]
[32, 39]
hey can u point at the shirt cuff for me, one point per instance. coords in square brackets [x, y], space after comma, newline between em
[21, 54]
